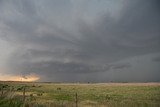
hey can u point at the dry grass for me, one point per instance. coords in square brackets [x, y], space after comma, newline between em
[89, 95]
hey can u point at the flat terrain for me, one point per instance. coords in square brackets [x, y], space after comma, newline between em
[22, 94]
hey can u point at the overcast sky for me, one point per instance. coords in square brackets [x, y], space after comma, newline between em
[80, 40]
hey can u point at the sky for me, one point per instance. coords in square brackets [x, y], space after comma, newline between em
[80, 40]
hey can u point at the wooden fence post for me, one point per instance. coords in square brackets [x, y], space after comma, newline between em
[76, 100]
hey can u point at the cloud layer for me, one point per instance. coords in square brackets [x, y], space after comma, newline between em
[81, 40]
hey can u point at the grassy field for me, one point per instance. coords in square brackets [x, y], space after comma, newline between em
[20, 94]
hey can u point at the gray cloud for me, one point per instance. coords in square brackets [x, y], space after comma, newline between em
[121, 66]
[156, 59]
[79, 40]
[126, 36]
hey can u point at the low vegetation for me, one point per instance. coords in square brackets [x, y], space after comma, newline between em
[19, 94]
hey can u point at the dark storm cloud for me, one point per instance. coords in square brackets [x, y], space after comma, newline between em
[135, 32]
[156, 59]
[74, 41]
[121, 66]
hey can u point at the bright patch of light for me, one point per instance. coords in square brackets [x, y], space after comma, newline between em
[26, 78]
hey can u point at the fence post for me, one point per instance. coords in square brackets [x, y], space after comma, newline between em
[76, 100]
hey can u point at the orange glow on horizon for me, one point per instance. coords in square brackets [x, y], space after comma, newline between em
[27, 78]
